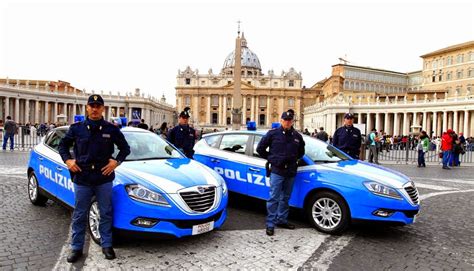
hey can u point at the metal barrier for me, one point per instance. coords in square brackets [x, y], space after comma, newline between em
[405, 153]
[24, 139]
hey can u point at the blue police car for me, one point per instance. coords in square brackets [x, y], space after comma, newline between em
[331, 187]
[156, 190]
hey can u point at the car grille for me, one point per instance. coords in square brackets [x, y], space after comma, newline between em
[200, 201]
[413, 193]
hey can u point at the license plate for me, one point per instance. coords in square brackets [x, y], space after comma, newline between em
[202, 228]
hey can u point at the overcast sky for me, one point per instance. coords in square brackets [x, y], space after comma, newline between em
[123, 45]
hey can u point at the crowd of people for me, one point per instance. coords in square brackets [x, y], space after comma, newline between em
[449, 146]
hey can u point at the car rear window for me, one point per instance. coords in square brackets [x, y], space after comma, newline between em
[212, 140]
[234, 143]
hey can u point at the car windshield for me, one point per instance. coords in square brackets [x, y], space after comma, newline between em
[148, 146]
[321, 152]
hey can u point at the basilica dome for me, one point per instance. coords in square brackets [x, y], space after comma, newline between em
[249, 58]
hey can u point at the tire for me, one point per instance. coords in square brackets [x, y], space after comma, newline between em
[328, 212]
[93, 221]
[34, 191]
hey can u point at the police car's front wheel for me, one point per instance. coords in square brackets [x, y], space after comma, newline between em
[93, 221]
[34, 191]
[328, 212]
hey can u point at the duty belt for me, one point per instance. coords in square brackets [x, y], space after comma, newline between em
[92, 166]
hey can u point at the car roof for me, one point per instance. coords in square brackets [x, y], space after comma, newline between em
[245, 132]
[124, 129]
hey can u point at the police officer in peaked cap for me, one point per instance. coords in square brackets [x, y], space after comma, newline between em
[92, 170]
[285, 146]
[183, 136]
[348, 138]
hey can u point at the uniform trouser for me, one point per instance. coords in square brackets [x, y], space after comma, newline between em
[83, 197]
[373, 154]
[7, 136]
[277, 204]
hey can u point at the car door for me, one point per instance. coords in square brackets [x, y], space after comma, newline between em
[58, 175]
[232, 162]
[259, 184]
[42, 165]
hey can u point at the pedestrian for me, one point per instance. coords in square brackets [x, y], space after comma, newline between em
[9, 130]
[92, 171]
[163, 130]
[322, 135]
[446, 147]
[348, 138]
[285, 146]
[422, 147]
[143, 125]
[373, 150]
[306, 132]
[183, 136]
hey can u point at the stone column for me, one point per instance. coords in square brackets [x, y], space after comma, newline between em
[2, 100]
[369, 123]
[129, 114]
[244, 109]
[377, 121]
[37, 111]
[415, 119]
[405, 123]
[109, 113]
[252, 110]
[455, 121]
[17, 110]
[224, 110]
[46, 112]
[396, 124]
[386, 123]
[208, 114]
[466, 124]
[27, 111]
[434, 128]
[445, 121]
[7, 106]
[423, 125]
[359, 118]
[268, 112]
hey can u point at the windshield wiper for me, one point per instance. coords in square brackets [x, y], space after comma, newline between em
[325, 161]
[150, 158]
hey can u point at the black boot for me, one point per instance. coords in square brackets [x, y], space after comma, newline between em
[109, 253]
[74, 256]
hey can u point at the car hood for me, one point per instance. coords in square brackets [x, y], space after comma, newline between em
[369, 171]
[168, 175]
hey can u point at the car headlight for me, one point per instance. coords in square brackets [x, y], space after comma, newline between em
[382, 190]
[224, 188]
[143, 194]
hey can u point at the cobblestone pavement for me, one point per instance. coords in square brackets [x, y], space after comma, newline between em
[442, 238]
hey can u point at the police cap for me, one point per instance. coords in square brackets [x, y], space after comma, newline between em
[288, 115]
[348, 116]
[95, 99]
[185, 113]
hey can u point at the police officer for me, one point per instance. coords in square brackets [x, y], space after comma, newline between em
[183, 136]
[92, 169]
[348, 138]
[286, 146]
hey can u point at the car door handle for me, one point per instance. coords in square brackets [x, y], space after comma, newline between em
[215, 160]
[59, 168]
[40, 158]
[254, 169]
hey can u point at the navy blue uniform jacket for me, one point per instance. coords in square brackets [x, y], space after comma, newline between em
[285, 148]
[93, 147]
[348, 139]
[183, 137]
